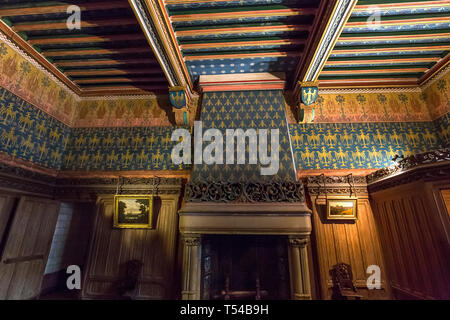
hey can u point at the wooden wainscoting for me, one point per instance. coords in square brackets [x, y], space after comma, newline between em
[413, 225]
[112, 248]
[7, 203]
[26, 248]
[353, 242]
[446, 197]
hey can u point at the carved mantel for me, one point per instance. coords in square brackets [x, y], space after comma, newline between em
[253, 208]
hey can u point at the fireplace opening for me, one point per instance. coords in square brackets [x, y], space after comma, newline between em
[245, 268]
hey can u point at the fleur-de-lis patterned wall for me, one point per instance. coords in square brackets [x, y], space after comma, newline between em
[245, 110]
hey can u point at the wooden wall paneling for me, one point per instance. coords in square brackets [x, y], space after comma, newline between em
[440, 192]
[417, 244]
[7, 203]
[30, 233]
[414, 239]
[325, 245]
[392, 240]
[27, 248]
[352, 242]
[111, 248]
[405, 243]
[421, 210]
[437, 253]
[446, 196]
[370, 251]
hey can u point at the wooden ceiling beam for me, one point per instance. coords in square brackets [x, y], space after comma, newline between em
[237, 55]
[121, 79]
[291, 12]
[49, 9]
[419, 47]
[87, 52]
[373, 71]
[43, 26]
[400, 22]
[237, 30]
[112, 72]
[369, 38]
[88, 39]
[102, 62]
[121, 90]
[435, 69]
[377, 61]
[204, 45]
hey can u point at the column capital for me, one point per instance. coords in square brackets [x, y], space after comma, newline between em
[295, 241]
[191, 239]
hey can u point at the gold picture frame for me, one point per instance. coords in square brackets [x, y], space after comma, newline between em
[342, 209]
[133, 211]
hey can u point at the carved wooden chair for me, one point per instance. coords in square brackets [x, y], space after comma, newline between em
[343, 286]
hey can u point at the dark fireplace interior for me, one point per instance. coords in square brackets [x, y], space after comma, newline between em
[245, 268]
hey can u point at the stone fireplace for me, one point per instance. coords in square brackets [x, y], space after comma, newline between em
[244, 267]
[245, 251]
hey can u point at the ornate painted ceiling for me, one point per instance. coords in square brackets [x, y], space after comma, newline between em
[250, 36]
[109, 54]
[390, 43]
[141, 46]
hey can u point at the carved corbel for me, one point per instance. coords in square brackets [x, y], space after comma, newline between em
[180, 100]
[307, 95]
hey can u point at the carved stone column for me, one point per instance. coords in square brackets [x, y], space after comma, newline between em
[299, 269]
[191, 267]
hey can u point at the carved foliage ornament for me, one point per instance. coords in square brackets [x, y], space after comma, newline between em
[245, 192]
[403, 164]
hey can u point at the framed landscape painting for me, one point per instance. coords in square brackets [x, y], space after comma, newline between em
[341, 209]
[133, 211]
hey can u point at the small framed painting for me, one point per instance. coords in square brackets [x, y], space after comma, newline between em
[341, 209]
[133, 211]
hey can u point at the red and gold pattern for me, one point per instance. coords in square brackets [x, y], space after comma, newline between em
[437, 96]
[30, 83]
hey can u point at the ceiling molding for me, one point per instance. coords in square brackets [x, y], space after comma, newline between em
[158, 31]
[334, 26]
[441, 65]
[436, 76]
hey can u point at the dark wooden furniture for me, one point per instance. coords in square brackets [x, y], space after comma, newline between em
[343, 287]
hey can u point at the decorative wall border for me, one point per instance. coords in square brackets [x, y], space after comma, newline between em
[14, 178]
[349, 185]
[250, 192]
[30, 59]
